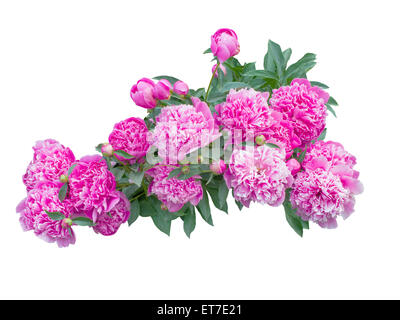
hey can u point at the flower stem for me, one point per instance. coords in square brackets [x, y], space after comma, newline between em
[212, 77]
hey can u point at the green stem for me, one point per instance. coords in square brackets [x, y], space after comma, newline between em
[212, 77]
[137, 197]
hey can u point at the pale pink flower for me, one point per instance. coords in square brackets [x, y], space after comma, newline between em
[327, 187]
[50, 160]
[319, 196]
[33, 216]
[244, 114]
[258, 174]
[130, 135]
[109, 221]
[304, 106]
[91, 186]
[174, 193]
[183, 129]
[224, 44]
[142, 93]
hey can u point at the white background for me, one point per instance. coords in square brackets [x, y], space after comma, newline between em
[66, 68]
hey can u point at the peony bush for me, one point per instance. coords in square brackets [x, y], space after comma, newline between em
[258, 134]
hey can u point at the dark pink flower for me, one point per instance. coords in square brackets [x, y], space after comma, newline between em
[162, 89]
[142, 93]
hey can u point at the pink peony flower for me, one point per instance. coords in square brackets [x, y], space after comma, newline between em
[91, 186]
[327, 187]
[33, 216]
[174, 193]
[281, 133]
[304, 106]
[108, 222]
[183, 129]
[224, 44]
[142, 93]
[258, 174]
[162, 89]
[181, 88]
[221, 67]
[131, 136]
[319, 196]
[244, 114]
[333, 152]
[50, 161]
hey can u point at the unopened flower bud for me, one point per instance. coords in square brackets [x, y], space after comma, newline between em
[164, 207]
[162, 89]
[181, 88]
[185, 170]
[107, 150]
[293, 165]
[66, 223]
[218, 167]
[64, 178]
[260, 140]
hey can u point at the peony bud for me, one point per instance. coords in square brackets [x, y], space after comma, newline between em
[181, 88]
[64, 178]
[260, 140]
[66, 223]
[293, 165]
[142, 93]
[221, 66]
[162, 89]
[185, 170]
[107, 150]
[224, 44]
[218, 167]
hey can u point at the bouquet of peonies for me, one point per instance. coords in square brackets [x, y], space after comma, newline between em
[258, 134]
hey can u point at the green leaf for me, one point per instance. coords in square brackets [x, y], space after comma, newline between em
[322, 136]
[62, 194]
[239, 205]
[83, 221]
[135, 212]
[146, 207]
[223, 192]
[233, 85]
[118, 172]
[319, 84]
[286, 56]
[277, 56]
[331, 110]
[172, 80]
[174, 173]
[301, 67]
[162, 221]
[207, 51]
[204, 208]
[269, 64]
[129, 191]
[189, 221]
[136, 177]
[272, 145]
[71, 169]
[261, 74]
[56, 216]
[123, 154]
[302, 155]
[294, 220]
[332, 101]
[98, 147]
